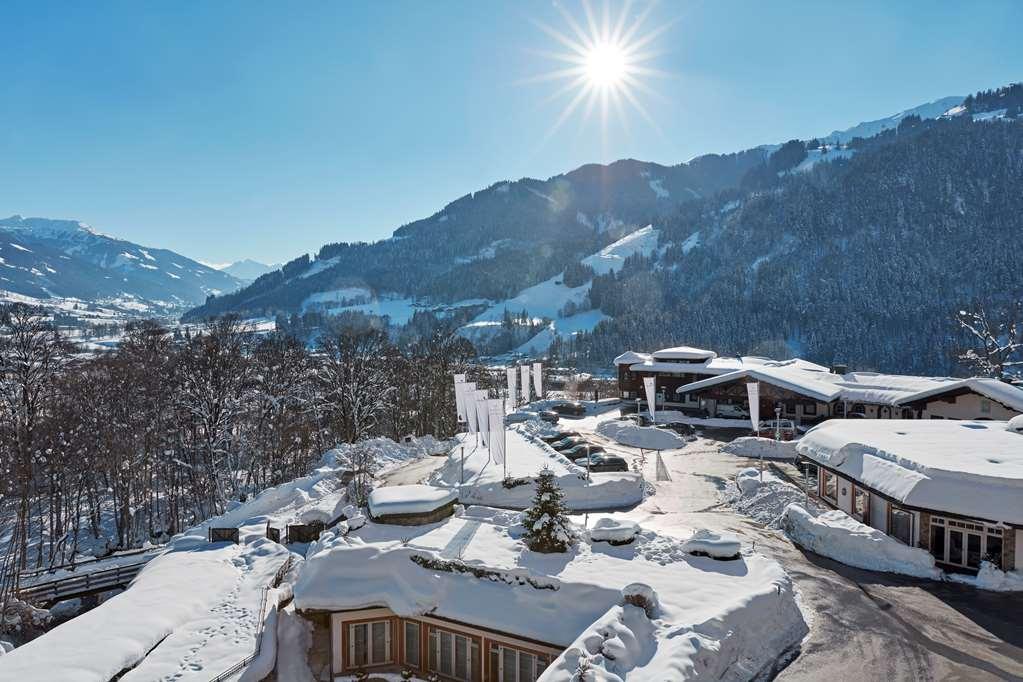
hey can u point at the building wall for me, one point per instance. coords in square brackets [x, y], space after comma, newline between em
[879, 513]
[967, 406]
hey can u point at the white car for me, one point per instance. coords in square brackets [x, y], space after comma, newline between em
[731, 411]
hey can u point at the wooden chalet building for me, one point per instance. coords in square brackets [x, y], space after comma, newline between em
[697, 382]
[954, 488]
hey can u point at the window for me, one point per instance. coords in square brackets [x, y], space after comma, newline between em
[901, 527]
[412, 644]
[514, 665]
[861, 504]
[938, 542]
[453, 655]
[994, 550]
[830, 488]
[985, 406]
[369, 643]
[907, 413]
[810, 409]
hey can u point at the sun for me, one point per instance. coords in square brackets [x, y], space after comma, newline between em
[605, 65]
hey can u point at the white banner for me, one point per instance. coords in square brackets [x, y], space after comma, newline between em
[538, 380]
[511, 387]
[525, 383]
[459, 402]
[469, 401]
[650, 384]
[482, 416]
[495, 408]
[753, 391]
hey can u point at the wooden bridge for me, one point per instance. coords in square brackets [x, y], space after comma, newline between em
[48, 586]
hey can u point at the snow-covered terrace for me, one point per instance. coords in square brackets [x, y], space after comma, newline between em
[972, 469]
[996, 390]
[711, 612]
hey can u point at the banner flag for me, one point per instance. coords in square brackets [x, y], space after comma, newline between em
[511, 387]
[495, 408]
[650, 384]
[469, 401]
[459, 401]
[538, 380]
[753, 391]
[525, 383]
[481, 414]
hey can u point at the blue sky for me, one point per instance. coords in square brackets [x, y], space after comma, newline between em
[226, 130]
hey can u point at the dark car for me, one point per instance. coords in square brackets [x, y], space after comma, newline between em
[601, 462]
[570, 442]
[570, 409]
[685, 430]
[558, 436]
[549, 416]
[582, 450]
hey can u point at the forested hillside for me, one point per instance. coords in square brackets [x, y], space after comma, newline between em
[863, 260]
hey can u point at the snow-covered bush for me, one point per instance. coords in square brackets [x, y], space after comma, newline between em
[547, 526]
[614, 531]
[747, 481]
[715, 545]
[642, 596]
[768, 448]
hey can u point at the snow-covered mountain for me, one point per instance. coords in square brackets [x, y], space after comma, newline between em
[47, 259]
[247, 269]
[870, 128]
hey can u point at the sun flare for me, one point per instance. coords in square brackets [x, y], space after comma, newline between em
[606, 65]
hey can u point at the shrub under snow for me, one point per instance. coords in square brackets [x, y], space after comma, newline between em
[768, 448]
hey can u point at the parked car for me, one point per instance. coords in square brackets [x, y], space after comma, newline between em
[786, 428]
[570, 408]
[731, 411]
[518, 417]
[570, 442]
[601, 462]
[582, 451]
[549, 416]
[558, 436]
[639, 418]
[687, 431]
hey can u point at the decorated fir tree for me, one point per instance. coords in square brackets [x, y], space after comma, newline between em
[547, 526]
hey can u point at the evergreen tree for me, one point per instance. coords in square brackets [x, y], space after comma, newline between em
[547, 526]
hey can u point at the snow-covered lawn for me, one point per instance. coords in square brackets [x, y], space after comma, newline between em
[708, 619]
[481, 480]
[838, 536]
[647, 437]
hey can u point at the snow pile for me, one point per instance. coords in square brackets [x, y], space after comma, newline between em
[765, 502]
[294, 638]
[628, 432]
[1015, 424]
[409, 499]
[615, 531]
[990, 577]
[485, 481]
[768, 448]
[838, 536]
[715, 545]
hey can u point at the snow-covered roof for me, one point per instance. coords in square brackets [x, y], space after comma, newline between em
[996, 390]
[816, 381]
[409, 499]
[630, 357]
[550, 598]
[973, 469]
[684, 353]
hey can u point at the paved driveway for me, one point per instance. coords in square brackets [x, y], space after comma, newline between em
[864, 626]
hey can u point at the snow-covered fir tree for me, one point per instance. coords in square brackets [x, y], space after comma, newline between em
[547, 526]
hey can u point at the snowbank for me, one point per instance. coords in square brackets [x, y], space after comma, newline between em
[409, 499]
[990, 577]
[294, 638]
[617, 531]
[627, 432]
[768, 448]
[838, 536]
[714, 545]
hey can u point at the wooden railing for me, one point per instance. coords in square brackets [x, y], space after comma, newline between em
[82, 584]
[28, 575]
